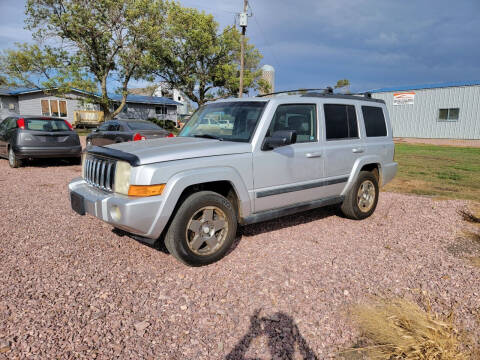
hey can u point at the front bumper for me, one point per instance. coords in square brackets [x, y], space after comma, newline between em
[47, 152]
[134, 215]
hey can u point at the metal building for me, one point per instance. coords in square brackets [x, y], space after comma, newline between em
[438, 111]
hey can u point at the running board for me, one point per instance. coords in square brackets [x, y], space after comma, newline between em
[289, 210]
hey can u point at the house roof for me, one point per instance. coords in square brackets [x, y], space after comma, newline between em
[427, 86]
[137, 99]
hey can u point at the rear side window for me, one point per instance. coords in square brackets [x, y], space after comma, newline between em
[340, 122]
[140, 125]
[46, 125]
[374, 121]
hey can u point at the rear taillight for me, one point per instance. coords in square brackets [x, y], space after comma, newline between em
[68, 124]
[21, 123]
[170, 135]
[138, 137]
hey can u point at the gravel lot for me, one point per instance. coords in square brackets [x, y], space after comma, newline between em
[71, 288]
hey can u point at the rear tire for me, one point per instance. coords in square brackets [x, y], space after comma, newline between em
[13, 160]
[202, 230]
[361, 200]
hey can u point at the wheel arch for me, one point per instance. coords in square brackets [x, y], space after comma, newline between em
[225, 181]
[371, 163]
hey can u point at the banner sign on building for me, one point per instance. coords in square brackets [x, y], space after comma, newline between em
[405, 98]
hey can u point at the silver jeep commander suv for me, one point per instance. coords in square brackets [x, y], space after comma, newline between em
[276, 157]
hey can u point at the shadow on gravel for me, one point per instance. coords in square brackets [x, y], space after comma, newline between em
[158, 245]
[44, 163]
[289, 221]
[283, 338]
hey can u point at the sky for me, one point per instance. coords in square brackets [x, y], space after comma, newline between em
[314, 43]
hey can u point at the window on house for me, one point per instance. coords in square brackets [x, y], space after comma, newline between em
[451, 114]
[11, 106]
[340, 122]
[374, 121]
[161, 110]
[54, 108]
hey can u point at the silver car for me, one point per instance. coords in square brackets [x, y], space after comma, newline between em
[282, 155]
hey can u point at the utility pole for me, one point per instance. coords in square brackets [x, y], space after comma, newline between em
[243, 24]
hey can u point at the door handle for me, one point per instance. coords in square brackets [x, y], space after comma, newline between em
[313, 155]
[358, 150]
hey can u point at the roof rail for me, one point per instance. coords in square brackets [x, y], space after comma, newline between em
[296, 90]
[358, 96]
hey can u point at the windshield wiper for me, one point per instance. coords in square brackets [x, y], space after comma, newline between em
[208, 136]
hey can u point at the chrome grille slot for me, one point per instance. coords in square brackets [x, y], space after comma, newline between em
[100, 172]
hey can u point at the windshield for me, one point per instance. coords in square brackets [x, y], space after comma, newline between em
[46, 125]
[143, 125]
[232, 121]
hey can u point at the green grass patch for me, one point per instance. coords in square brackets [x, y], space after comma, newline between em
[441, 171]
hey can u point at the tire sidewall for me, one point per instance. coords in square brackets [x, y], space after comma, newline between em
[12, 160]
[364, 175]
[179, 224]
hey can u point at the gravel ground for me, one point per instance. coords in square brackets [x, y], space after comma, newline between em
[70, 288]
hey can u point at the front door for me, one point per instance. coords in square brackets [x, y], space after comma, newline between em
[3, 137]
[291, 174]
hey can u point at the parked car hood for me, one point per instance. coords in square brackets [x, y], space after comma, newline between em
[179, 148]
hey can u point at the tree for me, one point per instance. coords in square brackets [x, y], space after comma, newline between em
[101, 42]
[202, 62]
[343, 83]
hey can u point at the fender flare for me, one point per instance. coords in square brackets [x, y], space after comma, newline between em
[359, 163]
[180, 181]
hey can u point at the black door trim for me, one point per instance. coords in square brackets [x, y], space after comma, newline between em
[292, 188]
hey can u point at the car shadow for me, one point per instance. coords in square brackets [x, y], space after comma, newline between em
[284, 222]
[44, 163]
[254, 229]
[283, 338]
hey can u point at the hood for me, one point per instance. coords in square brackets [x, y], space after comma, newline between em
[179, 148]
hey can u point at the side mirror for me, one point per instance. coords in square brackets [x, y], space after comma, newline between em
[280, 138]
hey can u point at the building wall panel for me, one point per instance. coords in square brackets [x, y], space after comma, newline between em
[420, 120]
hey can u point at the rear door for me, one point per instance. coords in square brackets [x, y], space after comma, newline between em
[343, 142]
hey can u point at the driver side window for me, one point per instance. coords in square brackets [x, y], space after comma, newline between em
[302, 118]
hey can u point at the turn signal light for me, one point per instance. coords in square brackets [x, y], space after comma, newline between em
[21, 123]
[170, 135]
[138, 137]
[146, 190]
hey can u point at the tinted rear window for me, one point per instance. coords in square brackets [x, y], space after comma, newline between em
[46, 125]
[137, 125]
[374, 121]
[340, 121]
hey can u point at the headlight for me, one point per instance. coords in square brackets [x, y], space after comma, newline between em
[122, 177]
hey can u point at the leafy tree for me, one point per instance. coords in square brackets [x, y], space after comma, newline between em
[342, 83]
[102, 42]
[202, 62]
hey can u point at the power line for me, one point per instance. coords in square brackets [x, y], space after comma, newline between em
[262, 33]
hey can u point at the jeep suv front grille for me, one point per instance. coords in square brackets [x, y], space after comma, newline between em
[100, 172]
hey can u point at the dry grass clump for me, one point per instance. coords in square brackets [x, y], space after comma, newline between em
[469, 216]
[399, 329]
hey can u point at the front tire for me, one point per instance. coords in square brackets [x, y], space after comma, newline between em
[202, 230]
[13, 160]
[361, 200]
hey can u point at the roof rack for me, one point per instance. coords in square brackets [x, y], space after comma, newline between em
[367, 96]
[296, 90]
